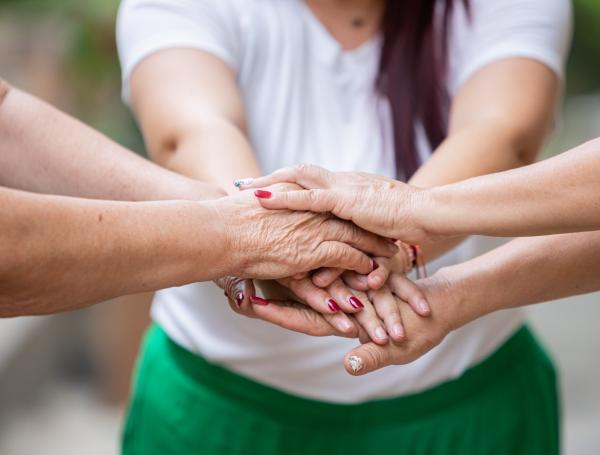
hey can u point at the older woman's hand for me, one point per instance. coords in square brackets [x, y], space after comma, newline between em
[375, 203]
[276, 244]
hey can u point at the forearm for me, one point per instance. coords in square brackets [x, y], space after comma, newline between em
[216, 152]
[62, 253]
[523, 272]
[44, 150]
[460, 158]
[192, 114]
[557, 195]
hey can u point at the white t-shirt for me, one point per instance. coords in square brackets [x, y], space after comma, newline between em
[308, 101]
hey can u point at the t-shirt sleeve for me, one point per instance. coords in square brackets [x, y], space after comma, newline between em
[536, 29]
[147, 26]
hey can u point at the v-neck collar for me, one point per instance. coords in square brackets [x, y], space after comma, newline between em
[333, 45]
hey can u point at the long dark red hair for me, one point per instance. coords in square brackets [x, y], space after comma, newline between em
[412, 73]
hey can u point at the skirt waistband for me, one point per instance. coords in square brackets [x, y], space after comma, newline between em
[520, 349]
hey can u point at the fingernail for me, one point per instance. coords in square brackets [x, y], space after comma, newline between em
[375, 265]
[398, 330]
[380, 333]
[239, 298]
[356, 303]
[423, 306]
[242, 182]
[356, 363]
[258, 300]
[262, 194]
[333, 306]
[346, 325]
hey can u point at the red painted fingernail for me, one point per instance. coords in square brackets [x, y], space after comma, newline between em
[263, 194]
[239, 298]
[333, 306]
[259, 300]
[375, 265]
[356, 303]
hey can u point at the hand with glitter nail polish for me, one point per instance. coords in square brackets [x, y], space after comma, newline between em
[420, 334]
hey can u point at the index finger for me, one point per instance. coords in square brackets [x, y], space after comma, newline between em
[306, 175]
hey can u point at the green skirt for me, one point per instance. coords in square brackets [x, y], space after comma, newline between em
[183, 404]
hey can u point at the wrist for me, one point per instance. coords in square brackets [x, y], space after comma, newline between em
[433, 215]
[221, 238]
[466, 294]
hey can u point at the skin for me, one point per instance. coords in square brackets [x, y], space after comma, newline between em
[549, 267]
[506, 108]
[557, 195]
[87, 250]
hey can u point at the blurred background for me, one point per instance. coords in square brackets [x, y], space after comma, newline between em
[64, 379]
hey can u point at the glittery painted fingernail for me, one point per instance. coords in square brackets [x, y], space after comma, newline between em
[333, 306]
[262, 194]
[356, 303]
[243, 182]
[259, 300]
[239, 298]
[356, 363]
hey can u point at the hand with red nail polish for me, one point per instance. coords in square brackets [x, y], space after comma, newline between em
[267, 244]
[377, 204]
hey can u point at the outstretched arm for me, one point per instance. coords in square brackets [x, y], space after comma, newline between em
[561, 194]
[522, 272]
[59, 253]
[44, 150]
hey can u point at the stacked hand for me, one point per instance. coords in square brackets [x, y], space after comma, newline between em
[370, 305]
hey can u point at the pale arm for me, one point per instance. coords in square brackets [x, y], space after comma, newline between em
[561, 194]
[44, 150]
[524, 271]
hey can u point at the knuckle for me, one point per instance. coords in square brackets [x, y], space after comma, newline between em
[302, 169]
[312, 196]
[374, 356]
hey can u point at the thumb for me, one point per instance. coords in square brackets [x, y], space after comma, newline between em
[237, 290]
[366, 358]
